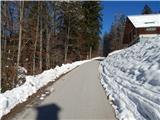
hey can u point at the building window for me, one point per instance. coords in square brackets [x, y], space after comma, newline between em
[151, 29]
[150, 22]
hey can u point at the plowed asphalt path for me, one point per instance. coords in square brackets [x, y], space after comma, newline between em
[77, 95]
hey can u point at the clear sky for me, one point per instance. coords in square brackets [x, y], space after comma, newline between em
[110, 8]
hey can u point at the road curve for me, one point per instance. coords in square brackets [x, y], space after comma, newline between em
[77, 95]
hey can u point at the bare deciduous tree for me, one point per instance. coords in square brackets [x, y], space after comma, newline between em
[20, 32]
[41, 40]
[35, 44]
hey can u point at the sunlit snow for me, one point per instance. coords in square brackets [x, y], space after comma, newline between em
[131, 78]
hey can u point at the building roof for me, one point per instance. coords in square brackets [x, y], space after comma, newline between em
[149, 20]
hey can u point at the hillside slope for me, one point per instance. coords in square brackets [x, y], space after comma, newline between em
[131, 78]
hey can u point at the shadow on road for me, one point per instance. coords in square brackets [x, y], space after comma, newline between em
[48, 112]
[99, 60]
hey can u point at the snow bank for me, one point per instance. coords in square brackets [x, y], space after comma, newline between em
[131, 79]
[11, 98]
[114, 52]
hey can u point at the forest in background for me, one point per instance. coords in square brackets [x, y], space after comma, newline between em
[37, 36]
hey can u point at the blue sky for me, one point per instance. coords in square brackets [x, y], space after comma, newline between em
[110, 8]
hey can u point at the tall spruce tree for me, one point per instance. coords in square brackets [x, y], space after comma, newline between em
[70, 14]
[106, 44]
[92, 24]
[147, 10]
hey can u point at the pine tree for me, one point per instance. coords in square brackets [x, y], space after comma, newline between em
[106, 44]
[92, 24]
[147, 10]
[70, 12]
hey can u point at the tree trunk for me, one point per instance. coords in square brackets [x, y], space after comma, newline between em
[3, 47]
[47, 48]
[5, 26]
[90, 53]
[53, 29]
[35, 45]
[40, 62]
[20, 32]
[67, 40]
[20, 35]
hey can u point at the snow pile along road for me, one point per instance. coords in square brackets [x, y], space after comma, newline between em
[131, 78]
[11, 98]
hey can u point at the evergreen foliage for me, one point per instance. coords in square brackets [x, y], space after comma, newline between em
[147, 10]
[52, 33]
[106, 44]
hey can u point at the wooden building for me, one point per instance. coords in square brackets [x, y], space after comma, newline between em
[141, 26]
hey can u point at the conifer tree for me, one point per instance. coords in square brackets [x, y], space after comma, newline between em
[147, 10]
[92, 24]
[106, 44]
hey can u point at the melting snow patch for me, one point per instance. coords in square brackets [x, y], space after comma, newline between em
[52, 89]
[43, 95]
[47, 92]
[41, 98]
[131, 78]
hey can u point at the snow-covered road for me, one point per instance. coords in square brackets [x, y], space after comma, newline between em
[77, 96]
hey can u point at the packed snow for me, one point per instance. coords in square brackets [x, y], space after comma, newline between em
[147, 20]
[11, 98]
[131, 79]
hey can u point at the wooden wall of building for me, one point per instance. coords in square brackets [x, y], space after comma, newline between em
[128, 28]
[151, 30]
[131, 33]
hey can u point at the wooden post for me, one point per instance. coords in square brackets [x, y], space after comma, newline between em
[90, 53]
